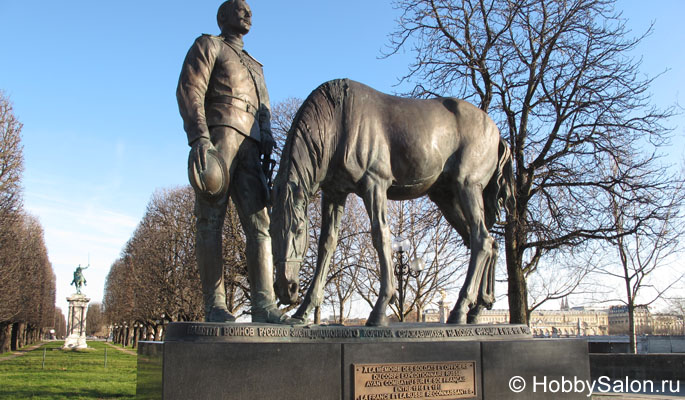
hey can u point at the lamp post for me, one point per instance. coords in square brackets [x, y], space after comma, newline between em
[412, 269]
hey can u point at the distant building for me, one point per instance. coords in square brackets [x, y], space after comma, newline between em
[574, 322]
[570, 322]
[565, 322]
[431, 315]
[646, 323]
[667, 324]
[619, 320]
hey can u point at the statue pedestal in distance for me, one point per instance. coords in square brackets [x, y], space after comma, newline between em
[76, 323]
[199, 360]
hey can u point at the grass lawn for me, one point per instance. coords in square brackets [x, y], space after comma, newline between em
[69, 374]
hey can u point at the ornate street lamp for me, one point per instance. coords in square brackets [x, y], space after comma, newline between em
[415, 266]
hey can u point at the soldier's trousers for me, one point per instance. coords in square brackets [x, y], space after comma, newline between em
[248, 190]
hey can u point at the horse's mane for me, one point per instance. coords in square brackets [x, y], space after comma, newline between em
[307, 144]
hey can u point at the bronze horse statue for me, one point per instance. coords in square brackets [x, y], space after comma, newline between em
[79, 280]
[349, 138]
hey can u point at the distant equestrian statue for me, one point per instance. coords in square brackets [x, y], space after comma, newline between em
[349, 138]
[79, 279]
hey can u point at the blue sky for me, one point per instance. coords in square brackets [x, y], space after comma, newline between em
[94, 84]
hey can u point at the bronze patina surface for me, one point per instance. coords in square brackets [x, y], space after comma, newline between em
[349, 138]
[224, 103]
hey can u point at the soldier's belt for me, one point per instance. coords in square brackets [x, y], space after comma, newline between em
[236, 102]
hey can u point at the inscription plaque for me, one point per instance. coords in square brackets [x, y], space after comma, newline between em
[260, 333]
[428, 380]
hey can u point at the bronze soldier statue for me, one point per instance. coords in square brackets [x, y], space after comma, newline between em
[79, 280]
[225, 108]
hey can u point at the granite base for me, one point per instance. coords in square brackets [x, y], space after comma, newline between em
[404, 361]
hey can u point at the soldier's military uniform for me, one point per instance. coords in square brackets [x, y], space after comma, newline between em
[222, 97]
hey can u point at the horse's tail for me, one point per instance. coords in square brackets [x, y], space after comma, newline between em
[500, 191]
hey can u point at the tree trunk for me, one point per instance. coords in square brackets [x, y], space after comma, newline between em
[15, 343]
[631, 327]
[317, 315]
[517, 289]
[5, 336]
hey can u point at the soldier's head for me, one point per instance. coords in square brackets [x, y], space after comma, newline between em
[234, 16]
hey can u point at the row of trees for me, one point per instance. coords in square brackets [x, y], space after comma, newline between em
[27, 281]
[156, 281]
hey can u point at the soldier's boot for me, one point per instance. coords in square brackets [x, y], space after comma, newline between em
[260, 274]
[210, 264]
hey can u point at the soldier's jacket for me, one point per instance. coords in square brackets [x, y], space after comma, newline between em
[221, 84]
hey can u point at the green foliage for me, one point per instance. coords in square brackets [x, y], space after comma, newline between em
[69, 374]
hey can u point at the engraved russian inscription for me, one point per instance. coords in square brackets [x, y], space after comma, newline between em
[273, 332]
[430, 380]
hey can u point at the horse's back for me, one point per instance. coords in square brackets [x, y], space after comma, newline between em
[413, 141]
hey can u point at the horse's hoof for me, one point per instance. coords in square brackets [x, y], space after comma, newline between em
[294, 321]
[473, 316]
[394, 299]
[272, 315]
[377, 320]
[456, 318]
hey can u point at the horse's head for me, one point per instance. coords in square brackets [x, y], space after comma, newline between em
[289, 234]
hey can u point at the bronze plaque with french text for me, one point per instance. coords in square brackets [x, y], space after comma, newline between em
[428, 380]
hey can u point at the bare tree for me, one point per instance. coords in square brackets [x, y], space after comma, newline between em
[557, 78]
[156, 280]
[432, 240]
[94, 319]
[118, 300]
[59, 324]
[27, 282]
[655, 226]
[282, 116]
[28, 300]
[11, 168]
[571, 277]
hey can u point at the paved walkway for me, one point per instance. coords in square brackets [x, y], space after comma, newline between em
[127, 351]
[19, 353]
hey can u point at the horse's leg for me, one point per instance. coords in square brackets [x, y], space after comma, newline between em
[375, 200]
[471, 196]
[332, 209]
[486, 294]
[448, 203]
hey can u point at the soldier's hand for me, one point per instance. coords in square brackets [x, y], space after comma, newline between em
[199, 153]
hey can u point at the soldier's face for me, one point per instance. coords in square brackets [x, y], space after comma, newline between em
[239, 18]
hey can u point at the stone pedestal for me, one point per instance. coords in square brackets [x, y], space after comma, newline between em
[404, 361]
[76, 322]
